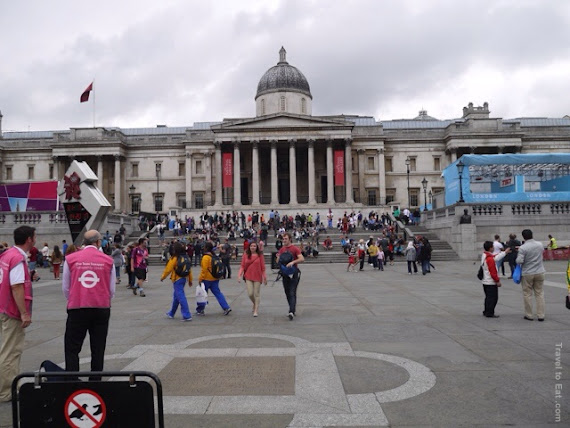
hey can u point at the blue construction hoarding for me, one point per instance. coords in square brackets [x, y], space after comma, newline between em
[541, 177]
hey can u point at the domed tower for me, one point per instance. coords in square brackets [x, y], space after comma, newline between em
[283, 89]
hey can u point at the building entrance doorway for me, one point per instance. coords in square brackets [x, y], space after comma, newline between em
[324, 189]
[244, 191]
[283, 191]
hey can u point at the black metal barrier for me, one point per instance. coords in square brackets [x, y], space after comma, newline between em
[65, 401]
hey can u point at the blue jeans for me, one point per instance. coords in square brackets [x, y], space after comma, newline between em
[215, 287]
[425, 266]
[179, 298]
[132, 279]
[118, 272]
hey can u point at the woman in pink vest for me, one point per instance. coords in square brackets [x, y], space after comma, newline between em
[252, 270]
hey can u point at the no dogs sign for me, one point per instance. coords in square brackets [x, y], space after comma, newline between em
[85, 409]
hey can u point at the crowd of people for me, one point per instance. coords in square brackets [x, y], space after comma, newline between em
[211, 246]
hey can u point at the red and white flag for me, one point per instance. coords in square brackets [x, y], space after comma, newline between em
[85, 94]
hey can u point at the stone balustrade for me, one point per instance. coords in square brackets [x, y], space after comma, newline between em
[488, 220]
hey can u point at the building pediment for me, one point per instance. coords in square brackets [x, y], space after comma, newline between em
[280, 121]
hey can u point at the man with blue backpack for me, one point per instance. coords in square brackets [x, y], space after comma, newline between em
[288, 257]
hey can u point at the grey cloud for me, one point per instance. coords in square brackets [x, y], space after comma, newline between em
[189, 63]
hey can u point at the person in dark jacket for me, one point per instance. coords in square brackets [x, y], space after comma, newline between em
[424, 255]
[514, 245]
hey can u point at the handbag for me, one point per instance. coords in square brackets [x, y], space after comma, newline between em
[517, 274]
[480, 274]
[201, 293]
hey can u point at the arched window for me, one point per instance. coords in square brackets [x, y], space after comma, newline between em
[262, 106]
[282, 103]
[303, 105]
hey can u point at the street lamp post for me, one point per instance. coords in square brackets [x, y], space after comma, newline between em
[408, 173]
[158, 168]
[132, 195]
[424, 185]
[460, 165]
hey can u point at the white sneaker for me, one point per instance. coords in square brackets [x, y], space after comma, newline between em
[291, 316]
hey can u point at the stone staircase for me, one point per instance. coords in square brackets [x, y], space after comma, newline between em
[441, 249]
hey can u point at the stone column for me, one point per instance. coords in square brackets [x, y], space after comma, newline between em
[237, 175]
[361, 167]
[55, 168]
[218, 171]
[311, 161]
[274, 195]
[118, 183]
[255, 171]
[100, 172]
[348, 169]
[188, 187]
[330, 174]
[292, 172]
[453, 155]
[381, 177]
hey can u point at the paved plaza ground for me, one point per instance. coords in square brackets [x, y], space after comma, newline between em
[367, 349]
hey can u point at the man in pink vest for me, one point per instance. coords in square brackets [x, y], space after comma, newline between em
[15, 306]
[88, 285]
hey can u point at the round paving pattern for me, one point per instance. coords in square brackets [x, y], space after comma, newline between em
[318, 397]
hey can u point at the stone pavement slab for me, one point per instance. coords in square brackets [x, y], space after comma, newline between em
[366, 349]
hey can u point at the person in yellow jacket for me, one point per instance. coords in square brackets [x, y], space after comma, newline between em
[211, 283]
[178, 283]
[373, 252]
[552, 245]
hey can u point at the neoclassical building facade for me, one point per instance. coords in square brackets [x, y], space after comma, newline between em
[284, 157]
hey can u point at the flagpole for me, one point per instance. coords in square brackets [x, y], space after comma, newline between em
[93, 102]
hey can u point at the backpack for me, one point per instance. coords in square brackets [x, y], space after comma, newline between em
[183, 265]
[284, 259]
[218, 269]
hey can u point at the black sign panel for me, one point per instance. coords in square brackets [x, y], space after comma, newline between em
[77, 217]
[95, 404]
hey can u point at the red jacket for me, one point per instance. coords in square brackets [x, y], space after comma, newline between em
[490, 274]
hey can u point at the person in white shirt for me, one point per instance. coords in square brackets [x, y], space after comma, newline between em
[497, 248]
[45, 255]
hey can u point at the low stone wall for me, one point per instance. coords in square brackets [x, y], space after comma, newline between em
[488, 220]
[51, 226]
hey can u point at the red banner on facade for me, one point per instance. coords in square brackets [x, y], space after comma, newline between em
[339, 168]
[227, 170]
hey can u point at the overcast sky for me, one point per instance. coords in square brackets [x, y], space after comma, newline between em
[177, 62]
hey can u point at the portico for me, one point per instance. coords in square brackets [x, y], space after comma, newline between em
[287, 170]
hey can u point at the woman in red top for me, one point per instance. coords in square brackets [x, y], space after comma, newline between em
[252, 270]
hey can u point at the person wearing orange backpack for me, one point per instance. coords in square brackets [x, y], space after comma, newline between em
[178, 282]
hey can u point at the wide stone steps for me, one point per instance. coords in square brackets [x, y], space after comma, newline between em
[441, 250]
